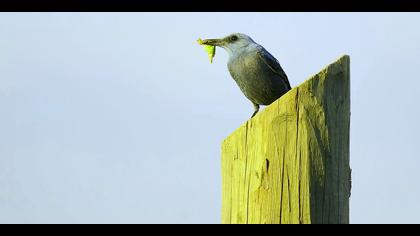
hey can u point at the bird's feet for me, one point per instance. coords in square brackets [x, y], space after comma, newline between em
[253, 114]
[256, 109]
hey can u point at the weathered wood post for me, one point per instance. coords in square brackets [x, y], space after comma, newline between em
[290, 163]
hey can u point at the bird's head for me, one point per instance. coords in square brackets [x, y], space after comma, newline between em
[231, 43]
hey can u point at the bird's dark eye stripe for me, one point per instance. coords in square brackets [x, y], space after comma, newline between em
[234, 38]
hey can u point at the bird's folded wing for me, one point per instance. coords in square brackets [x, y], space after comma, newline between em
[274, 65]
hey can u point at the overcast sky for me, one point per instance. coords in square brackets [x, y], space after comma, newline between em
[119, 117]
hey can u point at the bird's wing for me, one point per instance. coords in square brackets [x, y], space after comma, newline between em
[274, 65]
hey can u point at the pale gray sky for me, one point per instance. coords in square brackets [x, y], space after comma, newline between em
[118, 117]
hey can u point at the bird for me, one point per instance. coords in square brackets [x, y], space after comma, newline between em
[257, 73]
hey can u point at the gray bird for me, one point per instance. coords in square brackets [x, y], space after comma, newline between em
[257, 73]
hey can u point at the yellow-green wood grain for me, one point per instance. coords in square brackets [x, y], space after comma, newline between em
[290, 163]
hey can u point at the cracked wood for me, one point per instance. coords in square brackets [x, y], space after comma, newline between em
[290, 163]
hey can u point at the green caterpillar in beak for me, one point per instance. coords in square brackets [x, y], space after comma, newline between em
[211, 50]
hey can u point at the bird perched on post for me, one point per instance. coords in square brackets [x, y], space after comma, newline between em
[257, 73]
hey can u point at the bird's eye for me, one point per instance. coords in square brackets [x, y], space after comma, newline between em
[234, 38]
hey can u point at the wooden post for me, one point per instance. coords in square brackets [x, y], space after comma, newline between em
[290, 163]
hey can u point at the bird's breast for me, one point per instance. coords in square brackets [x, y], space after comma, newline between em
[255, 79]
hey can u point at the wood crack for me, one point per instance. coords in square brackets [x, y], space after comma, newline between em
[291, 160]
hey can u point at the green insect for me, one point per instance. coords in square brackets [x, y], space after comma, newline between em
[211, 50]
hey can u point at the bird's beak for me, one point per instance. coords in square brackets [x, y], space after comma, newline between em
[213, 42]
